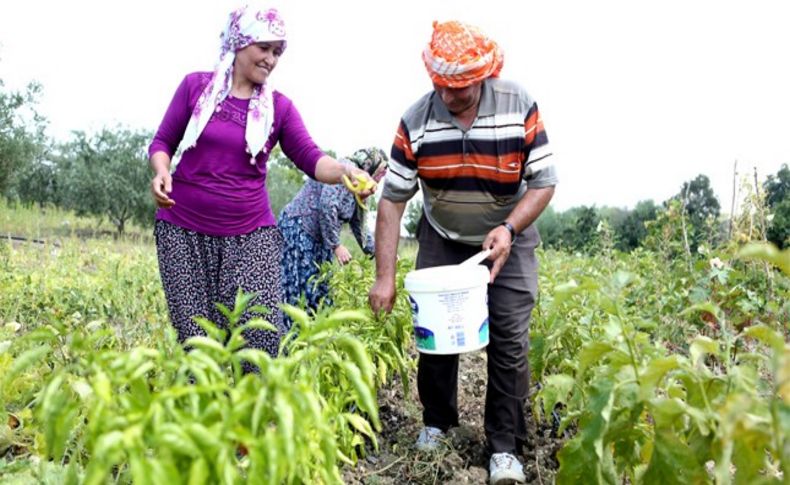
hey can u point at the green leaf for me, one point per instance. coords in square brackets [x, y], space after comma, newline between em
[199, 472]
[163, 472]
[261, 406]
[701, 346]
[672, 462]
[354, 348]
[24, 361]
[666, 412]
[342, 316]
[258, 324]
[767, 336]
[654, 372]
[226, 468]
[359, 423]
[284, 412]
[769, 253]
[210, 346]
[299, 316]
[102, 386]
[177, 439]
[749, 454]
[591, 354]
[706, 307]
[107, 444]
[211, 329]
[140, 469]
[565, 290]
[555, 390]
[206, 439]
[587, 458]
[365, 394]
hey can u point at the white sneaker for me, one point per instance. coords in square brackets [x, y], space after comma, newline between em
[505, 469]
[430, 439]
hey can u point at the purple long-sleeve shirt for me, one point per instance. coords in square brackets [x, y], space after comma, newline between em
[217, 190]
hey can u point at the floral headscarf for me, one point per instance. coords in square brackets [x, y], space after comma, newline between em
[246, 25]
[369, 159]
[459, 55]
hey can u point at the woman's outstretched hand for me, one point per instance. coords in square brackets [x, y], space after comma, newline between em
[359, 182]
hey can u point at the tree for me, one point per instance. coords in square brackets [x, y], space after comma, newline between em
[631, 230]
[576, 229]
[107, 175]
[701, 208]
[777, 196]
[549, 226]
[779, 230]
[37, 183]
[777, 188]
[584, 233]
[22, 138]
[283, 180]
[666, 235]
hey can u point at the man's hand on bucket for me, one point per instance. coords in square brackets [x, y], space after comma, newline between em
[498, 241]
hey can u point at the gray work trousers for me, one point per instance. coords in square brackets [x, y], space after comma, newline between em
[510, 301]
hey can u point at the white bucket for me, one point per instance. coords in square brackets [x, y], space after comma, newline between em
[449, 307]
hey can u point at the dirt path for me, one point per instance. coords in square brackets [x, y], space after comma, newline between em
[465, 460]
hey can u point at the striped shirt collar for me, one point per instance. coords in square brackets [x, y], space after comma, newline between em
[487, 105]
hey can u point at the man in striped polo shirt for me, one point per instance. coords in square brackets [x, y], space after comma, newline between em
[477, 149]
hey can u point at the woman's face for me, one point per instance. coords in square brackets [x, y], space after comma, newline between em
[256, 61]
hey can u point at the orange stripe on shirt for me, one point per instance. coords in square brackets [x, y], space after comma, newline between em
[504, 169]
[403, 143]
[506, 162]
[466, 171]
[532, 127]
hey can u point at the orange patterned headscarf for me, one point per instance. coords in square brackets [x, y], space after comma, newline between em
[459, 55]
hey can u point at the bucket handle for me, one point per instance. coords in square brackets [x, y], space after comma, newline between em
[477, 258]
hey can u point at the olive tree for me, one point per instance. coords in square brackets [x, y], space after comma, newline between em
[283, 180]
[777, 188]
[107, 175]
[22, 139]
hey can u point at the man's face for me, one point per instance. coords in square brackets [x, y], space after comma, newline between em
[459, 100]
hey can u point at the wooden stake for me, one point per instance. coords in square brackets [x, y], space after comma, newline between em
[732, 206]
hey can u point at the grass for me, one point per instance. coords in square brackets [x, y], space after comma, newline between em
[51, 224]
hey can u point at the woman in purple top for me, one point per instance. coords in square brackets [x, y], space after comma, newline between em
[311, 223]
[215, 231]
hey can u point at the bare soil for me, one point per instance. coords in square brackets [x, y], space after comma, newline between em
[465, 459]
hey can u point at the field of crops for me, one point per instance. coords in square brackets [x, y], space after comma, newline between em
[647, 368]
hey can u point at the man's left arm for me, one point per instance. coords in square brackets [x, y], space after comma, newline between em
[525, 213]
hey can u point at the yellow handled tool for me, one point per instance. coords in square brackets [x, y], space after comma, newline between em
[362, 185]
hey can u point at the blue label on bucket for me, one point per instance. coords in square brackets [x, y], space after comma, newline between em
[414, 310]
[482, 333]
[424, 338]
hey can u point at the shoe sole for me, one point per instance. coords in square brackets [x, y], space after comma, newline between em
[508, 481]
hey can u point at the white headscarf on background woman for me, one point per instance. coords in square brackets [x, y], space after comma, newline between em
[246, 25]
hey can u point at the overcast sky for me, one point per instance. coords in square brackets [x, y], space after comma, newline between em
[637, 97]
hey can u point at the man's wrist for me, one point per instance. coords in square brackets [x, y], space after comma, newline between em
[511, 230]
